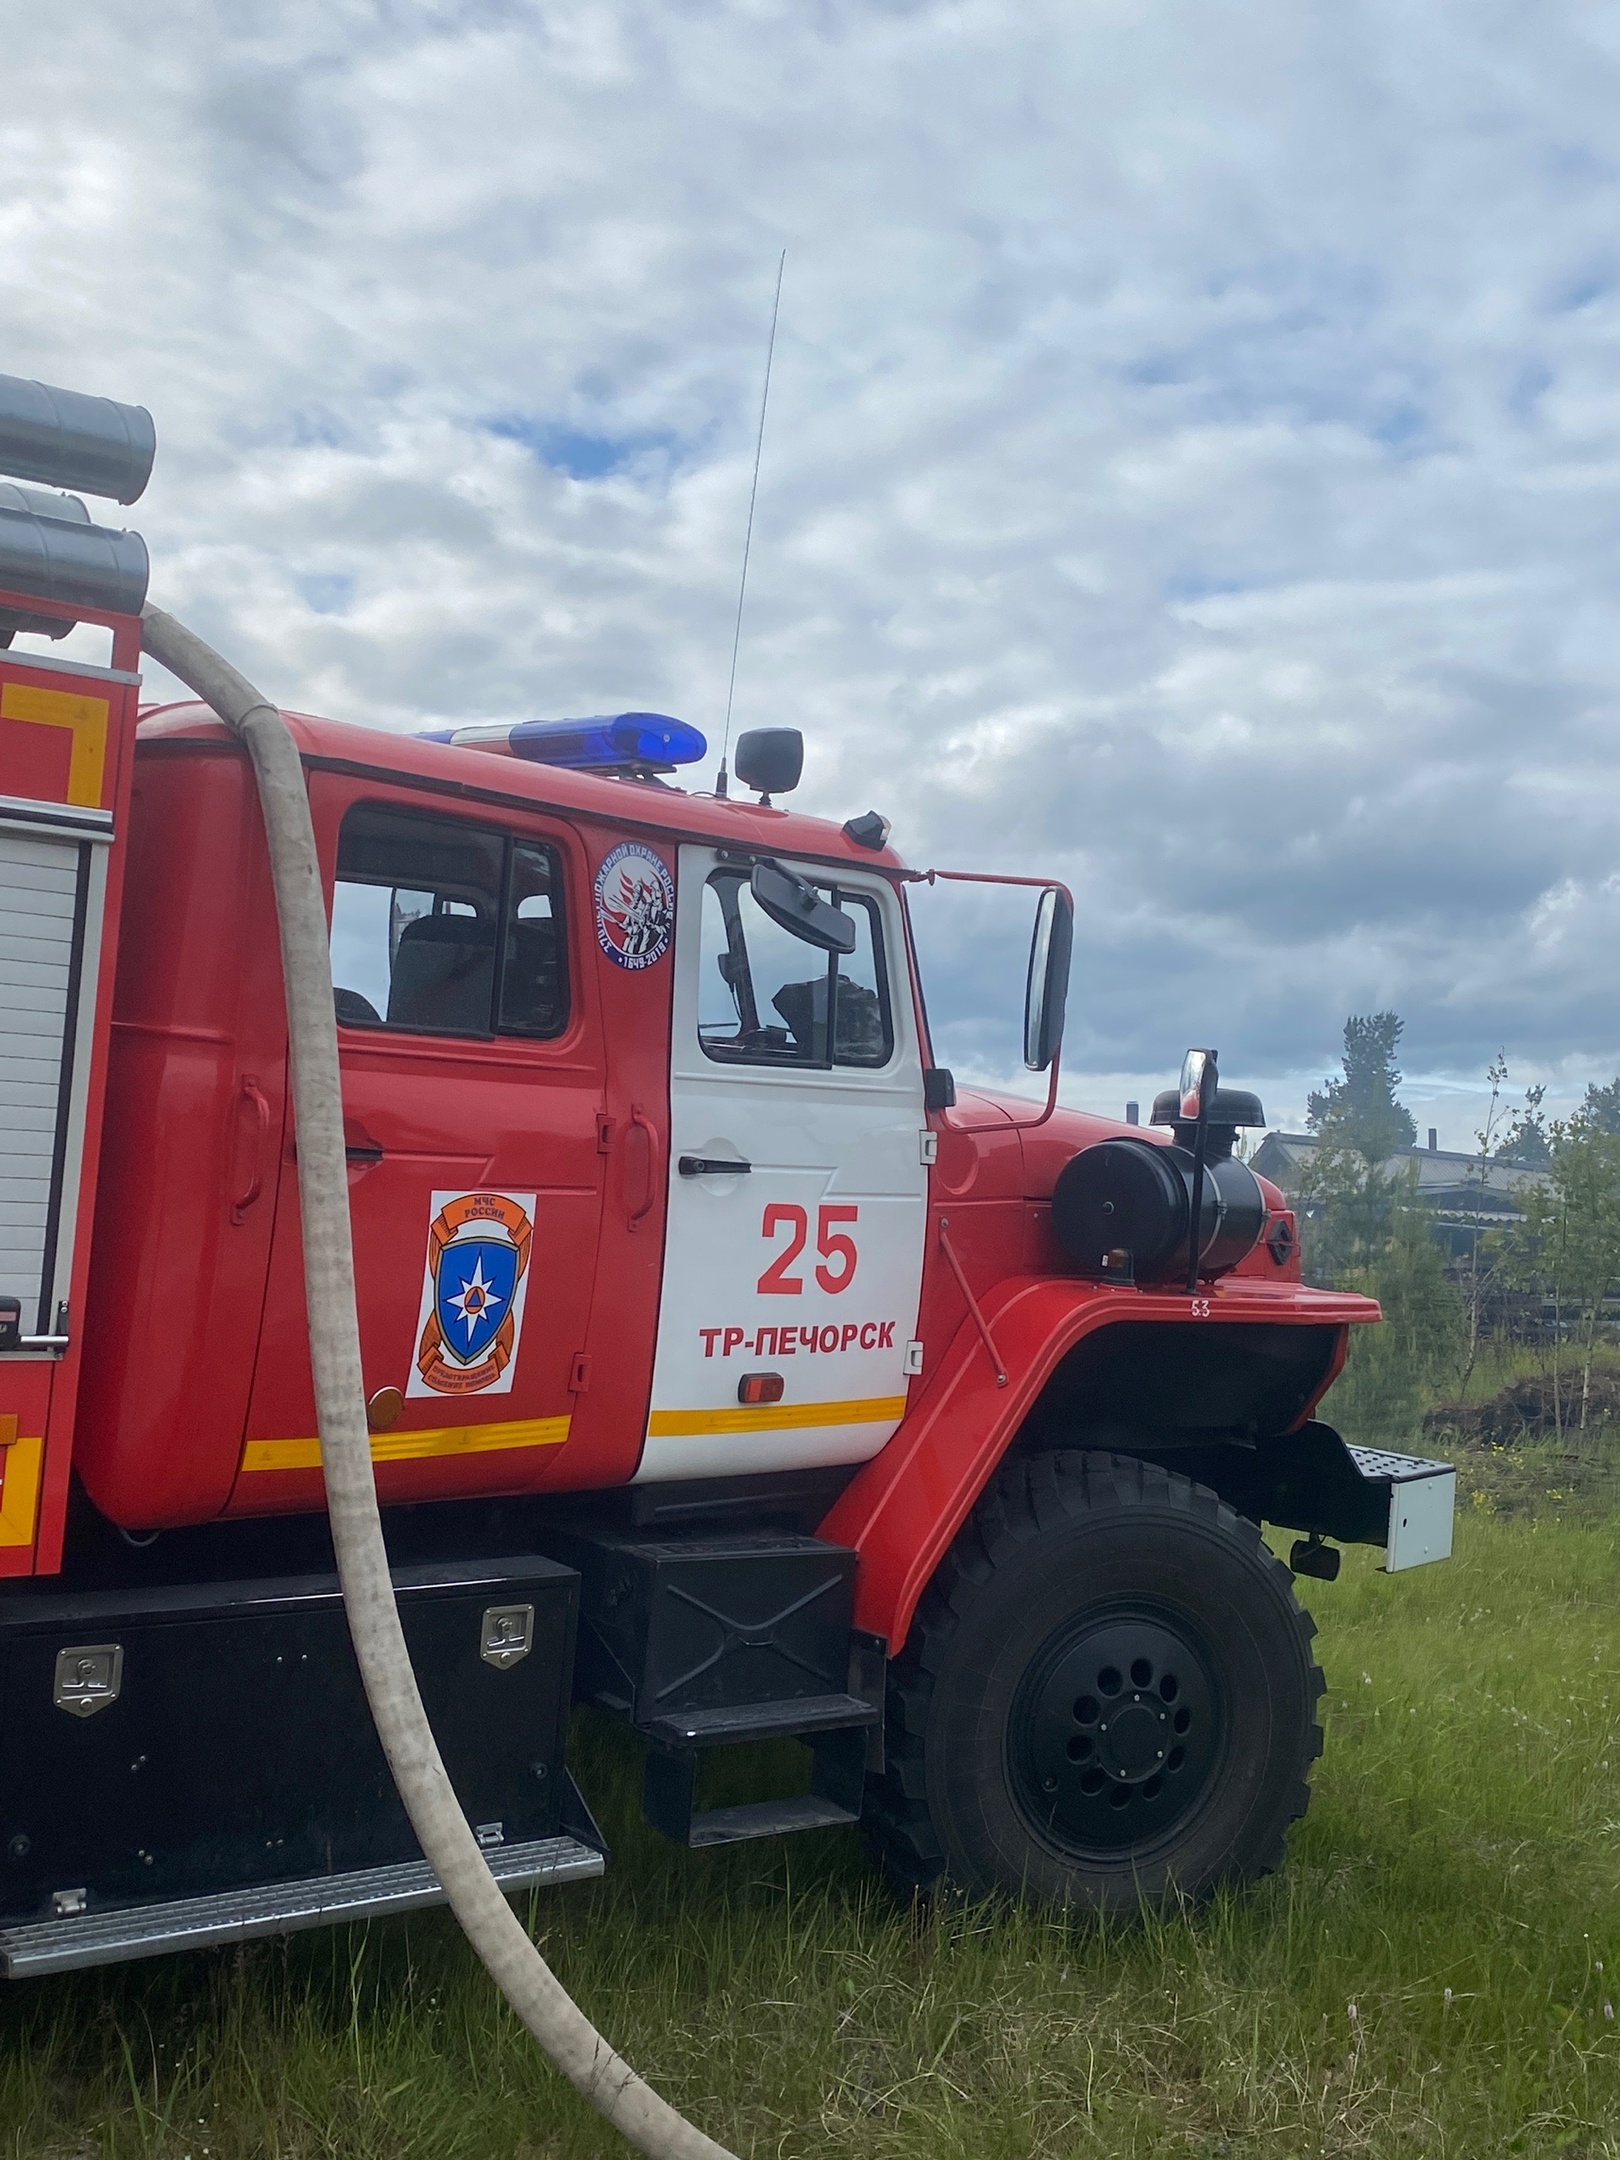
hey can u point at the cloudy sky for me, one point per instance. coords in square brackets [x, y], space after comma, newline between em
[1191, 465]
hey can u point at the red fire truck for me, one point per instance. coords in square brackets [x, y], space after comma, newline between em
[728, 1367]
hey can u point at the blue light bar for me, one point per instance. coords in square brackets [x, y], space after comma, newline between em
[607, 742]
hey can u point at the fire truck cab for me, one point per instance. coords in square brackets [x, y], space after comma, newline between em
[727, 1366]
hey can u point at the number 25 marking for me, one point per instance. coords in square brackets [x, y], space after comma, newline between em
[831, 1243]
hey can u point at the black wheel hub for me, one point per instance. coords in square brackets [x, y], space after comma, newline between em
[1114, 1732]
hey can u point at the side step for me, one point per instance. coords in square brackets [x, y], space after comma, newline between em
[720, 1636]
[731, 1723]
[136, 1931]
[730, 1825]
[839, 1728]
[837, 1787]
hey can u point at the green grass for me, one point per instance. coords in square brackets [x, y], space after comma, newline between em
[1431, 1974]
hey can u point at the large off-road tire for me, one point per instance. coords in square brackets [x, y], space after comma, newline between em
[1108, 1696]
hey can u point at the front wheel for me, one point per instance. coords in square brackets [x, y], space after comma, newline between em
[1108, 1696]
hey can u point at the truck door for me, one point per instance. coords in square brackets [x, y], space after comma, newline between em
[472, 1085]
[797, 1191]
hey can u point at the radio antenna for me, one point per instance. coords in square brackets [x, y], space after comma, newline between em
[721, 783]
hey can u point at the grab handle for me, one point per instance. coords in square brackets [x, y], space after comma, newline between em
[640, 1122]
[253, 1098]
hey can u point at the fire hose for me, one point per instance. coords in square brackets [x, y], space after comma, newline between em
[568, 2037]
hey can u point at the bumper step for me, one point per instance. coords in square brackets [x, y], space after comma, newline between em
[135, 1931]
[1314, 1481]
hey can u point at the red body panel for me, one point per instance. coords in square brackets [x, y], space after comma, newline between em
[474, 776]
[177, 1288]
[903, 1509]
[587, 1134]
[991, 1197]
[202, 1401]
[51, 754]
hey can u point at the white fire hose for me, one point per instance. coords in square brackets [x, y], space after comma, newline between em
[561, 2027]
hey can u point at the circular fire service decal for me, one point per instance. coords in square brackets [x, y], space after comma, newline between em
[635, 906]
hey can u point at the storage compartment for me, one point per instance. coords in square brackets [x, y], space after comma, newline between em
[200, 1738]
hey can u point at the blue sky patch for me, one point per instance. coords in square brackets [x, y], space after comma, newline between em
[576, 451]
[328, 592]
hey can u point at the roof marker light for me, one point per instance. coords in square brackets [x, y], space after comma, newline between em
[607, 742]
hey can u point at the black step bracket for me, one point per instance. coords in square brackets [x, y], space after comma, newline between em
[708, 1619]
[576, 1821]
[837, 1786]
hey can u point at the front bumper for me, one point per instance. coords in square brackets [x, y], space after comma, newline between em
[1316, 1482]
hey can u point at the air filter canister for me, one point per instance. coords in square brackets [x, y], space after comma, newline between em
[1133, 1198]
[62, 438]
[64, 557]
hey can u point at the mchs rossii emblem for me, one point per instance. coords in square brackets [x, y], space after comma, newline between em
[473, 1291]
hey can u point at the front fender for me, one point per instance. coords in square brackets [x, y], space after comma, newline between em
[903, 1508]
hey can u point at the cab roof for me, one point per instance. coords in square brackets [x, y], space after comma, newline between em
[486, 776]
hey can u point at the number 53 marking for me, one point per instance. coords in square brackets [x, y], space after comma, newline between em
[831, 1243]
[1200, 1308]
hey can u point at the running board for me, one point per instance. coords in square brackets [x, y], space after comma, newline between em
[111, 1936]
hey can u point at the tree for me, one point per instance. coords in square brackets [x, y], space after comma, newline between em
[1360, 1111]
[1601, 1107]
[1483, 1245]
[1526, 1145]
[1344, 1204]
[1392, 1368]
[1567, 1250]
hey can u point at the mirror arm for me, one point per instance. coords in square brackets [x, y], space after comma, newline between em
[1029, 1124]
[994, 877]
[985, 877]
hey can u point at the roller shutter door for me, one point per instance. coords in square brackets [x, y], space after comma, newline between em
[42, 882]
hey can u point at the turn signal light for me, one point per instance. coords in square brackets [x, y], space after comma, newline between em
[760, 1387]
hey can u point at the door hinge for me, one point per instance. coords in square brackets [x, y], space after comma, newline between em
[914, 1356]
[579, 1374]
[928, 1147]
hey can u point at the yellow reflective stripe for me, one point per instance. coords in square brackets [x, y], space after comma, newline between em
[19, 1495]
[414, 1446]
[776, 1417]
[86, 720]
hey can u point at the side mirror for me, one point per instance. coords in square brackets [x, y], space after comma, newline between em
[1046, 993]
[1197, 1082]
[770, 759]
[796, 906]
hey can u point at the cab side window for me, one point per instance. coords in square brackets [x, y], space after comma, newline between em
[440, 928]
[764, 995]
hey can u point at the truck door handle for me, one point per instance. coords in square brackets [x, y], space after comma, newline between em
[640, 1122]
[252, 1097]
[711, 1166]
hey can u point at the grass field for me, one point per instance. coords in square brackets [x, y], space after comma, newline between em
[1433, 1973]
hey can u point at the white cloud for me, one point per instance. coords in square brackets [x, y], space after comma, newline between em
[1192, 464]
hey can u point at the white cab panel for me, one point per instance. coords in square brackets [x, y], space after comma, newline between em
[807, 1266]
